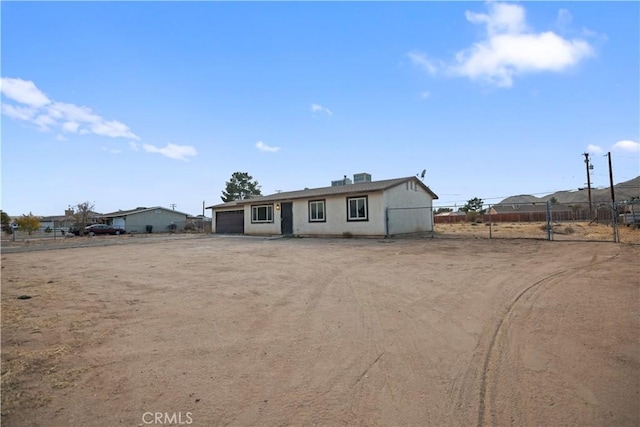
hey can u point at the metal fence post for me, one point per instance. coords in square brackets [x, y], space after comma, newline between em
[490, 224]
[386, 222]
[614, 222]
[549, 222]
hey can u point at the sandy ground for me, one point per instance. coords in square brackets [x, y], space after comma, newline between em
[251, 331]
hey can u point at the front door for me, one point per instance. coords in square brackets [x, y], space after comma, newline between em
[286, 217]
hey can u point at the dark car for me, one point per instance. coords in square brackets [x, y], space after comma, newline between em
[96, 229]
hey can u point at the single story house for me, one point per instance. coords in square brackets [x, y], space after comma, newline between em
[147, 220]
[363, 208]
[66, 221]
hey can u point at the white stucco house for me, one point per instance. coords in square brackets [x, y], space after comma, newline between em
[363, 208]
[144, 220]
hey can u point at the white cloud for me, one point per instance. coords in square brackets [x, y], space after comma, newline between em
[18, 113]
[134, 146]
[23, 91]
[509, 49]
[172, 151]
[317, 108]
[502, 18]
[70, 127]
[627, 145]
[265, 148]
[46, 114]
[421, 60]
[113, 129]
[61, 138]
[71, 112]
[594, 149]
[43, 122]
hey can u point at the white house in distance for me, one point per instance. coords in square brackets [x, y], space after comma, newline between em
[147, 220]
[363, 208]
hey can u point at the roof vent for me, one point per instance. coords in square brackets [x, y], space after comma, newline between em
[343, 181]
[361, 177]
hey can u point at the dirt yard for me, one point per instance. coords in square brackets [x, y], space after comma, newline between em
[252, 331]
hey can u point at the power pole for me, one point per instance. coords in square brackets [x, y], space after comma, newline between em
[586, 161]
[173, 206]
[613, 196]
[614, 208]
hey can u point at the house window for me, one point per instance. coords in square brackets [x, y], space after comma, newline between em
[357, 209]
[262, 213]
[316, 211]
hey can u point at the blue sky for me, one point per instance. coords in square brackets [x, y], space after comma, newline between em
[153, 104]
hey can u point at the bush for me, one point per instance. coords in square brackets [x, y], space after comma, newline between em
[471, 216]
[48, 229]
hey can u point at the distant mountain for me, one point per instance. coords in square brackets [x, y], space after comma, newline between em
[623, 191]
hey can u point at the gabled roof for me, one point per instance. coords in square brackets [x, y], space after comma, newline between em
[361, 187]
[53, 218]
[138, 210]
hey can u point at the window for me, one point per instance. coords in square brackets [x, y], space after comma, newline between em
[263, 213]
[316, 211]
[357, 209]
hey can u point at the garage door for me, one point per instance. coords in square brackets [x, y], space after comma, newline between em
[230, 222]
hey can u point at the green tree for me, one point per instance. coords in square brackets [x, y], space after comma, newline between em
[473, 205]
[473, 208]
[28, 223]
[6, 222]
[241, 186]
[553, 201]
[442, 210]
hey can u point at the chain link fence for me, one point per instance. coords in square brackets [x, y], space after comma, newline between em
[192, 225]
[594, 222]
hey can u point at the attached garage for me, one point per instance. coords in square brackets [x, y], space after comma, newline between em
[230, 222]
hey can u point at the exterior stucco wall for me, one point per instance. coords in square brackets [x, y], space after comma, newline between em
[265, 228]
[336, 218]
[336, 223]
[410, 209]
[160, 219]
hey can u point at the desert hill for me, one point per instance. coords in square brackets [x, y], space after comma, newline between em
[623, 191]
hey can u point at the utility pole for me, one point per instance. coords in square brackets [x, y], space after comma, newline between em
[589, 167]
[173, 206]
[614, 208]
[613, 196]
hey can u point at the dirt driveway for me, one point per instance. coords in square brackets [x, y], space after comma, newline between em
[251, 331]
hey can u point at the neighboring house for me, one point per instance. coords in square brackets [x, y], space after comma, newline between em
[144, 220]
[66, 221]
[450, 217]
[364, 208]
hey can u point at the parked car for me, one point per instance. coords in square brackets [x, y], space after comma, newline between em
[95, 229]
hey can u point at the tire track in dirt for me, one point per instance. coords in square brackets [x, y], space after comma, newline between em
[499, 342]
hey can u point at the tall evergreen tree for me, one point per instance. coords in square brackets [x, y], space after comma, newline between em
[241, 186]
